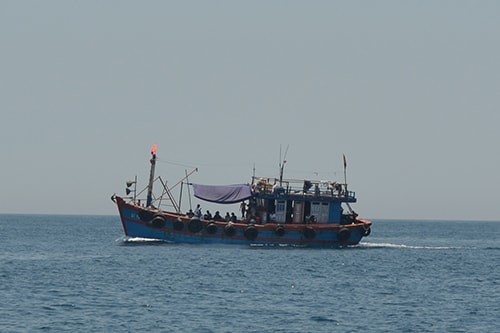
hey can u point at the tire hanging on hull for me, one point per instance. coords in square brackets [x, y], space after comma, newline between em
[309, 233]
[211, 228]
[195, 225]
[229, 230]
[343, 234]
[279, 230]
[158, 221]
[178, 225]
[251, 233]
[145, 215]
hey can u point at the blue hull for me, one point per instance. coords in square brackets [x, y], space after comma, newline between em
[182, 229]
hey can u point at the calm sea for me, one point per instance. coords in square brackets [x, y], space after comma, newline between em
[78, 274]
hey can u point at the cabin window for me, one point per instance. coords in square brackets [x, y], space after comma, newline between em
[320, 211]
[325, 206]
[280, 211]
[316, 211]
[298, 212]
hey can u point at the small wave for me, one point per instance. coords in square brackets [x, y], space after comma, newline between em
[403, 246]
[125, 240]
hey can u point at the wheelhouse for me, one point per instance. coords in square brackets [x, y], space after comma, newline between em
[298, 201]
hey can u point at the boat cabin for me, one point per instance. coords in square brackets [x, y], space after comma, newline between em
[292, 201]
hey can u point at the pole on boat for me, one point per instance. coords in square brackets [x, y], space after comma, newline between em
[189, 191]
[151, 176]
[345, 174]
[282, 164]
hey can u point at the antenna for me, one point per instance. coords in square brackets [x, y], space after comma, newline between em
[253, 176]
[282, 164]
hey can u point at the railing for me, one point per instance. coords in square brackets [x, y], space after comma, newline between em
[301, 187]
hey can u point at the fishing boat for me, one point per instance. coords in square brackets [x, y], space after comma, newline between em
[274, 212]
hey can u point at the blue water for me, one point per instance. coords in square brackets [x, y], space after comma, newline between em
[78, 274]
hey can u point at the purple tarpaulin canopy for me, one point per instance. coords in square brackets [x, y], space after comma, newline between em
[225, 194]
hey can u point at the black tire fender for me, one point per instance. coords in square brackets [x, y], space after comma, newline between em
[343, 234]
[211, 228]
[229, 230]
[145, 215]
[195, 225]
[251, 232]
[158, 221]
[279, 230]
[309, 233]
[178, 225]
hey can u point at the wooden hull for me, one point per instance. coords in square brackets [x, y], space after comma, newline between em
[178, 228]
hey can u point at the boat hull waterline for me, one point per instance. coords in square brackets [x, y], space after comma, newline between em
[180, 228]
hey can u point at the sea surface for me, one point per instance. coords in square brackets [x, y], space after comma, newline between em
[79, 274]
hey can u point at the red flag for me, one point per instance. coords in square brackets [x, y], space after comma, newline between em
[345, 162]
[153, 149]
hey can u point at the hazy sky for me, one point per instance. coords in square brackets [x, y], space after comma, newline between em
[409, 91]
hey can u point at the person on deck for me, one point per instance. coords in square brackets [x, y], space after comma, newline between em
[217, 216]
[243, 207]
[272, 217]
[197, 211]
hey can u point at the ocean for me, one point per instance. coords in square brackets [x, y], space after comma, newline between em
[79, 274]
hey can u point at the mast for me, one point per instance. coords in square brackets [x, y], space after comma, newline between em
[151, 176]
